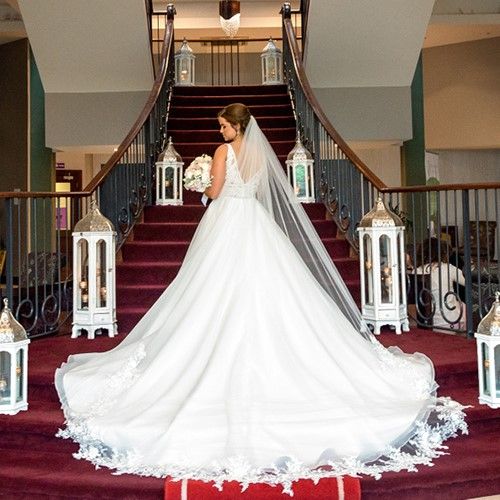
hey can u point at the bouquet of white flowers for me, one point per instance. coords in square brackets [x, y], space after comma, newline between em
[197, 176]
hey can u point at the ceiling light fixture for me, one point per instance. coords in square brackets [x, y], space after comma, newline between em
[229, 12]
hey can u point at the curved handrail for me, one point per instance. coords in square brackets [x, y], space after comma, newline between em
[108, 167]
[306, 87]
[146, 111]
[350, 154]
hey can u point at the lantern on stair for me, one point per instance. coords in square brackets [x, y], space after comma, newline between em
[382, 269]
[488, 356]
[13, 363]
[184, 65]
[94, 301]
[271, 59]
[169, 176]
[300, 172]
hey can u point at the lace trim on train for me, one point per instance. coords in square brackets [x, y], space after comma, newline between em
[446, 419]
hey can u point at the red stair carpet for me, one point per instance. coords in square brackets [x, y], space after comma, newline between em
[36, 465]
[347, 488]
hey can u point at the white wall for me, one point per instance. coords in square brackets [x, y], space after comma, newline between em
[462, 95]
[89, 164]
[90, 119]
[383, 160]
[368, 114]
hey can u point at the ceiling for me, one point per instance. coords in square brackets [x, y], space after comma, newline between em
[452, 21]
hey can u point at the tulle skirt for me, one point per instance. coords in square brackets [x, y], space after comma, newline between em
[245, 369]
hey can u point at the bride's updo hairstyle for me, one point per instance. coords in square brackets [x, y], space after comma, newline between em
[235, 114]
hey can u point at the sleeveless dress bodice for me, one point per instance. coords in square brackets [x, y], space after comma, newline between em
[234, 186]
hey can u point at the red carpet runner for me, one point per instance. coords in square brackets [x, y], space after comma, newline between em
[347, 488]
[36, 465]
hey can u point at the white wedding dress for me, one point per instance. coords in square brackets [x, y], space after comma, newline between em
[245, 369]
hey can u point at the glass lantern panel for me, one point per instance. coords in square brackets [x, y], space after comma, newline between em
[5, 382]
[101, 274]
[271, 69]
[20, 375]
[278, 69]
[159, 182]
[83, 275]
[386, 269]
[169, 183]
[401, 266]
[497, 371]
[368, 269]
[486, 369]
[184, 73]
[300, 179]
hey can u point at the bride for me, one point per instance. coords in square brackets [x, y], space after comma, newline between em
[254, 365]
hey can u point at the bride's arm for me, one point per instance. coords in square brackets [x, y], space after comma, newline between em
[218, 172]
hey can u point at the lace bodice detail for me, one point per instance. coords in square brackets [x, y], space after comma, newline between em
[234, 186]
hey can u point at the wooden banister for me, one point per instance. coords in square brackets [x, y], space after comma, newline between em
[306, 87]
[136, 127]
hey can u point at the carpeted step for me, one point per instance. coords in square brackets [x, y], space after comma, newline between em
[479, 416]
[29, 474]
[456, 367]
[347, 266]
[336, 247]
[163, 231]
[213, 135]
[210, 122]
[180, 101]
[147, 273]
[183, 213]
[187, 159]
[190, 150]
[470, 470]
[155, 251]
[143, 294]
[325, 228]
[230, 90]
[207, 111]
[193, 213]
[129, 316]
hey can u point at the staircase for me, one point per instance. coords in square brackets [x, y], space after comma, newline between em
[36, 465]
[152, 259]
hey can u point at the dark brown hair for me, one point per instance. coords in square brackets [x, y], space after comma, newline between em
[236, 114]
[433, 251]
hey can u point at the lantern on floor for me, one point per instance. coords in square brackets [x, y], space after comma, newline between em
[300, 171]
[184, 65]
[94, 301]
[13, 363]
[382, 269]
[271, 59]
[169, 176]
[229, 16]
[488, 356]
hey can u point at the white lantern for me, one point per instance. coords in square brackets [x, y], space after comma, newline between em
[169, 176]
[382, 268]
[300, 171]
[488, 356]
[271, 58]
[94, 301]
[184, 65]
[13, 364]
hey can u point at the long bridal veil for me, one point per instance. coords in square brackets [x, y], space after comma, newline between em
[257, 158]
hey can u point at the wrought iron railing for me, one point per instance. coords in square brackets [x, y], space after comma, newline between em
[223, 60]
[458, 222]
[36, 226]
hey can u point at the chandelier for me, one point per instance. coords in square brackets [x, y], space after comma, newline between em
[229, 12]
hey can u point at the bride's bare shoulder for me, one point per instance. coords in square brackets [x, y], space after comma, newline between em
[221, 152]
